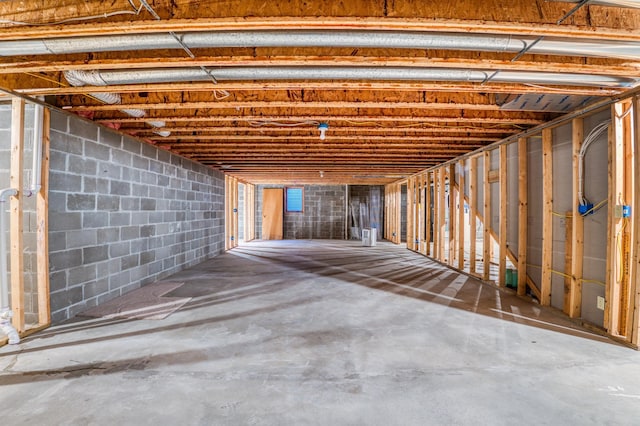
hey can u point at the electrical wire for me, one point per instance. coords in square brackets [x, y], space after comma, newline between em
[262, 123]
[583, 280]
[105, 15]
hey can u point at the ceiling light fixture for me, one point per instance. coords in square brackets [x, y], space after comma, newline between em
[323, 127]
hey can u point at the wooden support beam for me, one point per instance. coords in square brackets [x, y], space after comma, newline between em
[256, 105]
[411, 205]
[436, 214]
[490, 61]
[461, 223]
[380, 86]
[473, 220]
[42, 227]
[16, 213]
[502, 236]
[452, 213]
[635, 273]
[573, 300]
[547, 216]
[428, 209]
[441, 214]
[503, 118]
[522, 216]
[486, 217]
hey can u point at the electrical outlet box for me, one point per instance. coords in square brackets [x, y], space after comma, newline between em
[621, 211]
[600, 303]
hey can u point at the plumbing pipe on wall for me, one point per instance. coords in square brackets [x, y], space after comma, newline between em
[34, 187]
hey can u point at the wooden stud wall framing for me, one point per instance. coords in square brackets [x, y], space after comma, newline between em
[452, 214]
[461, 223]
[573, 300]
[16, 213]
[502, 233]
[441, 213]
[522, 216]
[635, 275]
[249, 212]
[622, 313]
[428, 209]
[231, 212]
[473, 221]
[547, 216]
[486, 218]
[392, 217]
[42, 218]
[411, 207]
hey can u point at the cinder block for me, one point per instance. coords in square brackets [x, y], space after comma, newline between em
[82, 238]
[108, 235]
[59, 221]
[122, 158]
[64, 182]
[94, 254]
[147, 231]
[82, 166]
[65, 298]
[129, 203]
[82, 274]
[129, 232]
[84, 129]
[108, 203]
[81, 202]
[119, 249]
[96, 288]
[120, 188]
[65, 259]
[57, 241]
[147, 204]
[110, 138]
[130, 261]
[119, 219]
[58, 281]
[149, 151]
[131, 145]
[96, 151]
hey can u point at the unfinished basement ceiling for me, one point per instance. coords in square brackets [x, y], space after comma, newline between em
[244, 86]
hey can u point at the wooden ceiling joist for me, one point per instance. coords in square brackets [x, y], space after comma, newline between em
[267, 130]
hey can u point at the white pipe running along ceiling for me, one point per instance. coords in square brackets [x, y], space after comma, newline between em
[619, 3]
[350, 39]
[105, 78]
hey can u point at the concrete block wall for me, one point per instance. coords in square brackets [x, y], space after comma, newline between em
[123, 214]
[323, 217]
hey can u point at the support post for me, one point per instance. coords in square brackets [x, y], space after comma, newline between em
[42, 217]
[461, 224]
[486, 219]
[547, 216]
[427, 219]
[452, 213]
[441, 210]
[502, 262]
[16, 213]
[473, 221]
[573, 300]
[522, 216]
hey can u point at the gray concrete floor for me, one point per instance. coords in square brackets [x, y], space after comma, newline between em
[324, 333]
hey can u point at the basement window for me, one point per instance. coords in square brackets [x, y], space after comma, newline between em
[294, 200]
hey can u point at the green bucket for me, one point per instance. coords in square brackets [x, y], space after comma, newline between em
[511, 278]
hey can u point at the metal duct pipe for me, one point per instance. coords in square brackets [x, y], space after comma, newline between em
[619, 3]
[355, 73]
[83, 78]
[324, 38]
